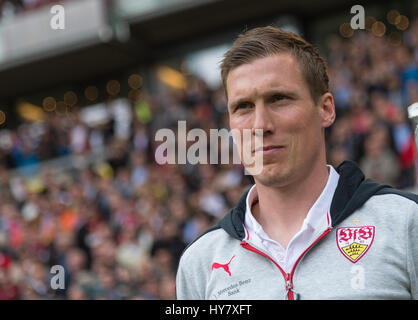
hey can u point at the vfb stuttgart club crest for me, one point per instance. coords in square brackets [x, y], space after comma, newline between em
[354, 242]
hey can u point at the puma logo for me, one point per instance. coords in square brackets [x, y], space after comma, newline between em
[216, 265]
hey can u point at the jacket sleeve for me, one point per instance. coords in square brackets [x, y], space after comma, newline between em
[189, 280]
[412, 251]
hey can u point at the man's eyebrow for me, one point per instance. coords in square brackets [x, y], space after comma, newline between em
[279, 91]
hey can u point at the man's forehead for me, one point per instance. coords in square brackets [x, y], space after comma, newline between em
[263, 74]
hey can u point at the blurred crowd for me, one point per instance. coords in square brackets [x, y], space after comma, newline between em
[118, 226]
[374, 80]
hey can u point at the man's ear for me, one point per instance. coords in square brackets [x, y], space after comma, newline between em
[326, 109]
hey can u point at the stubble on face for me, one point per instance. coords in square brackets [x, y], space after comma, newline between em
[290, 121]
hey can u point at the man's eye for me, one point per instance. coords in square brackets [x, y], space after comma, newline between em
[278, 97]
[242, 106]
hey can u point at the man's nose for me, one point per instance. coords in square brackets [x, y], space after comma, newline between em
[262, 120]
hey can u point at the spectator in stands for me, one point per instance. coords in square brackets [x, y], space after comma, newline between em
[379, 162]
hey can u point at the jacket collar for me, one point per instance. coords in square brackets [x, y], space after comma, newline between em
[353, 190]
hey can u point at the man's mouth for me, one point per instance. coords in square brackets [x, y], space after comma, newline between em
[269, 149]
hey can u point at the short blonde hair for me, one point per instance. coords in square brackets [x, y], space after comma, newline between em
[267, 41]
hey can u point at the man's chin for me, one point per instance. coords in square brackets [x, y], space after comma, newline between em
[270, 178]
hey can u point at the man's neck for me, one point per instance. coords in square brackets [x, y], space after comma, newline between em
[281, 211]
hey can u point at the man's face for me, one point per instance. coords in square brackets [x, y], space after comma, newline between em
[271, 94]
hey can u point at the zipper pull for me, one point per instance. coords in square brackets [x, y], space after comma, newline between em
[289, 287]
[289, 284]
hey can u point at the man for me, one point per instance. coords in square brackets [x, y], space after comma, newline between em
[305, 230]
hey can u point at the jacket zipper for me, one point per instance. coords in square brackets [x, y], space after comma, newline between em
[288, 277]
